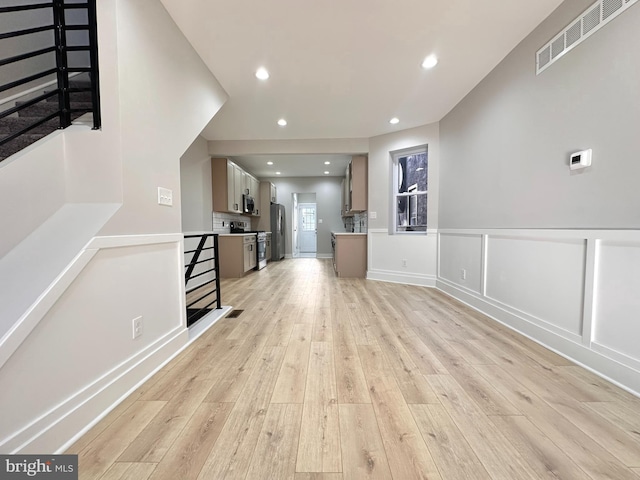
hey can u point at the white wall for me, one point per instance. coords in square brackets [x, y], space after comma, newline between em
[551, 253]
[195, 187]
[387, 251]
[328, 199]
[167, 96]
[31, 189]
[157, 95]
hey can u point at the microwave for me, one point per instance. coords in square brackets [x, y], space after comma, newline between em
[248, 204]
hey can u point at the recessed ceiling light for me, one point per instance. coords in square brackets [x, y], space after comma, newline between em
[262, 73]
[394, 120]
[430, 62]
[326, 173]
[277, 173]
[327, 163]
[269, 163]
[282, 122]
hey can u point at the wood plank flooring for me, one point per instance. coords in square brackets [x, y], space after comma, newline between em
[322, 378]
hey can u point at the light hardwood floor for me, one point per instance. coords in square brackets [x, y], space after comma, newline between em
[323, 378]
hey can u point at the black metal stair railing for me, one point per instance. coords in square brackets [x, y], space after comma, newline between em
[202, 296]
[66, 87]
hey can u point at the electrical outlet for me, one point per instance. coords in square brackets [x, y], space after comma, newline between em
[463, 274]
[373, 215]
[137, 327]
[404, 262]
[165, 197]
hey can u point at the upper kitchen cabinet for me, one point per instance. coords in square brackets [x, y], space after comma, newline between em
[230, 182]
[254, 191]
[355, 186]
[273, 193]
[227, 185]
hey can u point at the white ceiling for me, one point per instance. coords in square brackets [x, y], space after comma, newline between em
[343, 68]
[294, 165]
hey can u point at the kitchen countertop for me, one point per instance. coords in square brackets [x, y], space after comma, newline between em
[348, 233]
[236, 234]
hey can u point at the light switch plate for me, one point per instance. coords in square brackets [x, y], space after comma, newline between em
[165, 197]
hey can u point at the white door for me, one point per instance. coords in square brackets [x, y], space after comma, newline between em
[307, 229]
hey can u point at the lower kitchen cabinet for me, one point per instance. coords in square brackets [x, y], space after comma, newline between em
[236, 255]
[350, 254]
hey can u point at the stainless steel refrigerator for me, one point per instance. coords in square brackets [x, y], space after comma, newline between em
[277, 231]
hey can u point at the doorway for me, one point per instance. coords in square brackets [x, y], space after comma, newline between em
[308, 229]
[305, 225]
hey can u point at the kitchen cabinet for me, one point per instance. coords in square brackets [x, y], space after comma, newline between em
[249, 248]
[254, 191]
[355, 186]
[349, 254]
[237, 254]
[268, 195]
[227, 183]
[273, 193]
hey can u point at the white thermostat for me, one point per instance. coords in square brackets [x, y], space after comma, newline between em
[580, 159]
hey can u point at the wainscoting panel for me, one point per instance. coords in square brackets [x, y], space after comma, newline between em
[540, 277]
[573, 291]
[461, 260]
[617, 308]
[387, 255]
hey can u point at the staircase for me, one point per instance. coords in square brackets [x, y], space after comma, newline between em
[34, 113]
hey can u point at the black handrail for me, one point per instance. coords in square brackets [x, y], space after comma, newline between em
[204, 289]
[20, 8]
[25, 56]
[26, 31]
[65, 110]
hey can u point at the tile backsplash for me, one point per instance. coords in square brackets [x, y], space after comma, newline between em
[220, 221]
[356, 224]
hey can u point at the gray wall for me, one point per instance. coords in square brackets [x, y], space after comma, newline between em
[505, 147]
[195, 187]
[328, 199]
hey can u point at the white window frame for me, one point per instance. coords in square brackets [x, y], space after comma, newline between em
[395, 156]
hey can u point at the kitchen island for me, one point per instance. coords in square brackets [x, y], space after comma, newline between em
[349, 254]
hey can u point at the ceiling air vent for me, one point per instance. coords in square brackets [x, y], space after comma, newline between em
[589, 22]
[609, 7]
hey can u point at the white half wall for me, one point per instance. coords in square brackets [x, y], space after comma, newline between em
[574, 291]
[81, 358]
[32, 189]
[387, 255]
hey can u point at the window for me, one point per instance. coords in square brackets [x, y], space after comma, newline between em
[410, 190]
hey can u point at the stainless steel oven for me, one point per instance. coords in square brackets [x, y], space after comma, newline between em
[261, 250]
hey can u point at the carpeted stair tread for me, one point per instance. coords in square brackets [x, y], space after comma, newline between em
[73, 96]
[18, 144]
[15, 124]
[42, 109]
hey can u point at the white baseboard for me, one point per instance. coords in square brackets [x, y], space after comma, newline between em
[402, 277]
[66, 422]
[597, 362]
